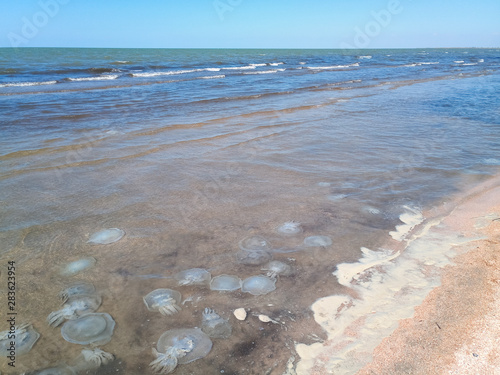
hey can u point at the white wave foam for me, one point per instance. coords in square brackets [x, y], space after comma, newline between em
[365, 57]
[429, 63]
[389, 286]
[239, 67]
[410, 218]
[332, 67]
[165, 73]
[100, 78]
[467, 64]
[480, 60]
[266, 71]
[212, 69]
[459, 62]
[258, 64]
[212, 77]
[276, 64]
[25, 84]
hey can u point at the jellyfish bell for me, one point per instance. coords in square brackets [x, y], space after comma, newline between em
[258, 285]
[193, 276]
[225, 283]
[254, 243]
[92, 328]
[317, 241]
[253, 258]
[165, 301]
[106, 236]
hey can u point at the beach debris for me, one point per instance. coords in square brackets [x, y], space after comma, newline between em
[106, 236]
[265, 319]
[74, 308]
[240, 313]
[316, 241]
[290, 228]
[254, 243]
[165, 301]
[179, 346]
[225, 283]
[25, 336]
[214, 325]
[277, 268]
[92, 328]
[77, 266]
[193, 276]
[75, 290]
[258, 285]
[253, 258]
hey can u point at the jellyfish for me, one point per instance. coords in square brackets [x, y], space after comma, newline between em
[166, 301]
[77, 289]
[92, 328]
[215, 326]
[179, 346]
[193, 276]
[106, 236]
[276, 268]
[23, 336]
[254, 243]
[258, 285]
[75, 307]
[290, 228]
[313, 241]
[77, 266]
[225, 283]
[253, 258]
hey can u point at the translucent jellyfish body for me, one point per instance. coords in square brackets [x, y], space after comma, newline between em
[106, 236]
[215, 326]
[258, 285]
[253, 258]
[25, 337]
[75, 290]
[193, 276]
[76, 306]
[77, 266]
[59, 370]
[290, 228]
[225, 283]
[179, 346]
[254, 243]
[165, 301]
[93, 328]
[276, 268]
[313, 241]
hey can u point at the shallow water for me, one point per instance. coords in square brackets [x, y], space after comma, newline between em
[188, 167]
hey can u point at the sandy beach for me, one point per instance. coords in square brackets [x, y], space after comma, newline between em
[456, 329]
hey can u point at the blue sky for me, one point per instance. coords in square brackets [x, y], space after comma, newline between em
[250, 23]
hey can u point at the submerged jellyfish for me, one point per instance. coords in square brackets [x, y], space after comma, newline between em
[59, 370]
[254, 243]
[193, 276]
[225, 283]
[290, 228]
[166, 301]
[77, 289]
[215, 326]
[92, 328]
[75, 307]
[258, 285]
[313, 241]
[25, 338]
[106, 236]
[276, 268]
[253, 258]
[77, 266]
[179, 346]
[92, 359]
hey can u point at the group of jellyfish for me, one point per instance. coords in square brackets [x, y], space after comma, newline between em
[84, 326]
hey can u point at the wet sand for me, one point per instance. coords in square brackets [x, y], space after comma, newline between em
[456, 329]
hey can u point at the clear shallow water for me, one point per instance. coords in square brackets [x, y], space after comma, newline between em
[188, 166]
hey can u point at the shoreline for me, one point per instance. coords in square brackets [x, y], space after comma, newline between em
[455, 329]
[420, 283]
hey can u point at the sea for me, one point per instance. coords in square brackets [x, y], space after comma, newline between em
[194, 152]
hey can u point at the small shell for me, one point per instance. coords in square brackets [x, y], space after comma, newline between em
[106, 236]
[240, 313]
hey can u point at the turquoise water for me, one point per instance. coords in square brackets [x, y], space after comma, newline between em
[190, 151]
